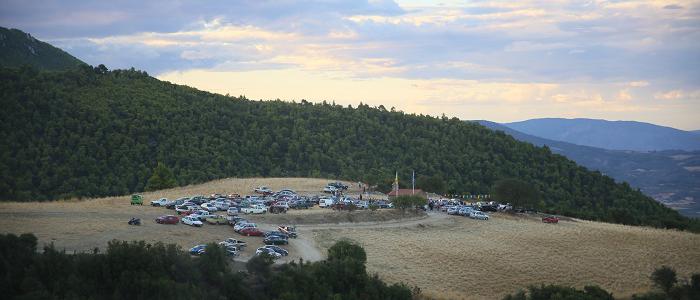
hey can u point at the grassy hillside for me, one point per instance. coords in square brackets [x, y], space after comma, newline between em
[18, 48]
[671, 177]
[91, 132]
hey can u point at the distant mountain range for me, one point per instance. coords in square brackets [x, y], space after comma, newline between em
[671, 177]
[18, 48]
[612, 135]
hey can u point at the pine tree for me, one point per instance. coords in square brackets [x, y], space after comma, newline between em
[162, 178]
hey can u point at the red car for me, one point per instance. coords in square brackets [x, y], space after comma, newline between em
[550, 219]
[251, 231]
[167, 219]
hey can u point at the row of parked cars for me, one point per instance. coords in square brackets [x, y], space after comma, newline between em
[466, 211]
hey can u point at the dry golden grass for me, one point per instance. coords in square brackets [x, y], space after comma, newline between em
[448, 257]
[460, 258]
[82, 225]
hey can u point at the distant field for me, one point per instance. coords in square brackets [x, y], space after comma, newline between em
[447, 257]
[460, 258]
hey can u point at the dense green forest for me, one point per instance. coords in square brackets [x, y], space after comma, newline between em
[136, 270]
[18, 48]
[91, 132]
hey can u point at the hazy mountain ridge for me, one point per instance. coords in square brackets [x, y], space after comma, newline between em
[18, 48]
[611, 135]
[671, 177]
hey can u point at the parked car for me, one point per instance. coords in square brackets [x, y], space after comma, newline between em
[338, 185]
[181, 209]
[216, 220]
[209, 207]
[198, 250]
[192, 221]
[232, 211]
[159, 202]
[234, 242]
[330, 189]
[453, 211]
[276, 233]
[478, 215]
[263, 250]
[384, 204]
[136, 199]
[241, 225]
[202, 214]
[325, 202]
[465, 211]
[234, 220]
[167, 219]
[222, 205]
[550, 219]
[290, 231]
[263, 190]
[251, 231]
[231, 251]
[254, 209]
[277, 249]
[275, 240]
[172, 204]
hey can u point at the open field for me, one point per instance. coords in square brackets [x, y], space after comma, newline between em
[460, 258]
[448, 257]
[77, 225]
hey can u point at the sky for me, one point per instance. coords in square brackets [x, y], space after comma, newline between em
[492, 60]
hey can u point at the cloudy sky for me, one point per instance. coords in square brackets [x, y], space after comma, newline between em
[616, 60]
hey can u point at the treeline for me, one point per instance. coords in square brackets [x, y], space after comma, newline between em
[136, 270]
[91, 132]
[666, 282]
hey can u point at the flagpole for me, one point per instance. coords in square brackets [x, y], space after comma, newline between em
[414, 183]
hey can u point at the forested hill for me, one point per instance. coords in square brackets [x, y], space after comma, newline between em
[92, 132]
[18, 48]
[666, 176]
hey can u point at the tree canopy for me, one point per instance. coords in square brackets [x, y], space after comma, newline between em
[516, 192]
[162, 178]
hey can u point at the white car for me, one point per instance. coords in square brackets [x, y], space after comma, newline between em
[330, 189]
[255, 209]
[263, 190]
[192, 221]
[201, 214]
[233, 242]
[209, 207]
[222, 205]
[325, 202]
[466, 211]
[182, 209]
[478, 215]
[240, 226]
[160, 202]
[271, 252]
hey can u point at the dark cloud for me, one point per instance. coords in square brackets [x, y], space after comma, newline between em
[75, 18]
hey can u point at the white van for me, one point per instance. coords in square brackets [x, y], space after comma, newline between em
[325, 202]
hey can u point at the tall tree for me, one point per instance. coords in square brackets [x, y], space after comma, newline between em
[162, 178]
[516, 192]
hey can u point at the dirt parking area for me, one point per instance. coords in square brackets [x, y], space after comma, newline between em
[82, 225]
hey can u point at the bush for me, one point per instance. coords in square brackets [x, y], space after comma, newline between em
[664, 278]
[404, 202]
